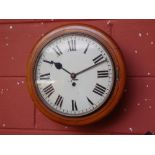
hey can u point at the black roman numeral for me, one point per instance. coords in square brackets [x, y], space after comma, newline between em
[72, 45]
[98, 59]
[49, 90]
[86, 49]
[90, 101]
[99, 89]
[57, 50]
[74, 106]
[45, 76]
[59, 101]
[102, 74]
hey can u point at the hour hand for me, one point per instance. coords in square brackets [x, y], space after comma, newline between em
[57, 65]
[50, 62]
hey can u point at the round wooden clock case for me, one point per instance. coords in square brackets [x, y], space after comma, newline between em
[114, 58]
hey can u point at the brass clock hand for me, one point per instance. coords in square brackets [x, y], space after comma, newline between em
[90, 67]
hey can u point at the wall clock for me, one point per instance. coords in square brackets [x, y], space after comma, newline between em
[76, 74]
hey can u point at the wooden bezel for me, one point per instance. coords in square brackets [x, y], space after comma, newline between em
[119, 66]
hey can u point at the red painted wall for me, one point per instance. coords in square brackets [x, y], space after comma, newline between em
[136, 111]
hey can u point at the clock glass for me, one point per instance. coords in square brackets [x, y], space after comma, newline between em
[74, 75]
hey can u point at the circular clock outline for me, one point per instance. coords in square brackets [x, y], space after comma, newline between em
[118, 64]
[84, 113]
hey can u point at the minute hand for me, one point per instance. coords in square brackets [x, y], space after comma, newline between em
[91, 67]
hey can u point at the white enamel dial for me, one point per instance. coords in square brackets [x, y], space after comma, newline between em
[74, 75]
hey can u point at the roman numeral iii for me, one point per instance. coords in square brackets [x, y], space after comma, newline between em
[72, 45]
[74, 106]
[57, 50]
[102, 74]
[99, 89]
[59, 101]
[49, 90]
[98, 59]
[45, 76]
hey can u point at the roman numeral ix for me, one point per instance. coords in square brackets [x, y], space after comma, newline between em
[59, 101]
[49, 90]
[102, 74]
[72, 45]
[99, 89]
[98, 59]
[74, 106]
[45, 76]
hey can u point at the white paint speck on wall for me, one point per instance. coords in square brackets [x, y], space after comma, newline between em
[147, 33]
[150, 107]
[10, 27]
[2, 91]
[108, 22]
[152, 42]
[140, 34]
[3, 125]
[18, 83]
[145, 99]
[135, 51]
[131, 129]
[148, 73]
[147, 86]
